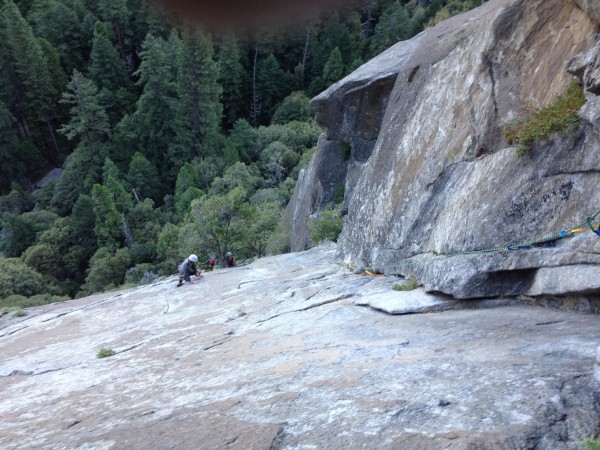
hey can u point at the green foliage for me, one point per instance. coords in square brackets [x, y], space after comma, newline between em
[216, 224]
[10, 155]
[108, 219]
[394, 26]
[261, 221]
[243, 137]
[20, 301]
[154, 126]
[18, 278]
[294, 107]
[142, 176]
[231, 79]
[107, 271]
[271, 84]
[89, 121]
[238, 175]
[62, 27]
[554, 118]
[410, 285]
[58, 256]
[327, 225]
[280, 239]
[186, 189]
[199, 110]
[591, 443]
[109, 73]
[145, 224]
[167, 249]
[18, 232]
[105, 353]
[334, 68]
[15, 202]
[83, 222]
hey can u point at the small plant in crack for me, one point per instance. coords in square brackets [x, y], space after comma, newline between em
[410, 285]
[591, 443]
[105, 353]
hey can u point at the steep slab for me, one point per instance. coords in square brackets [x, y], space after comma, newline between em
[281, 355]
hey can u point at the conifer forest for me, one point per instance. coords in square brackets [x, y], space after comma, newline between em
[129, 140]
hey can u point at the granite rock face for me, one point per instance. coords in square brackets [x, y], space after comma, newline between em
[291, 352]
[430, 172]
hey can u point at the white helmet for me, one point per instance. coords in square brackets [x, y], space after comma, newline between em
[193, 258]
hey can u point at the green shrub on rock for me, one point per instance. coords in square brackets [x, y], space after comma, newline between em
[327, 225]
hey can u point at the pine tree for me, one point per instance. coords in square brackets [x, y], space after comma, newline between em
[108, 219]
[116, 15]
[186, 189]
[34, 94]
[89, 126]
[243, 137]
[394, 25]
[143, 178]
[12, 163]
[83, 222]
[199, 110]
[272, 86]
[334, 68]
[89, 122]
[153, 126]
[61, 25]
[109, 74]
[231, 79]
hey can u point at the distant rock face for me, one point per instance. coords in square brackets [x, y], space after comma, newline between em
[430, 172]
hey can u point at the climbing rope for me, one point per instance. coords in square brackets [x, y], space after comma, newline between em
[567, 232]
[539, 241]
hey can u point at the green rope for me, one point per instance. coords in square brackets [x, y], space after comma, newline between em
[521, 246]
[527, 244]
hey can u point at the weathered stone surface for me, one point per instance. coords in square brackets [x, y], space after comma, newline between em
[591, 8]
[440, 178]
[318, 184]
[597, 367]
[280, 355]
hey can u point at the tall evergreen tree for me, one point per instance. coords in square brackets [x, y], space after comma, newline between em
[272, 86]
[34, 94]
[393, 26]
[90, 128]
[153, 126]
[109, 74]
[89, 122]
[60, 24]
[199, 110]
[12, 162]
[231, 79]
[117, 16]
[143, 178]
[108, 219]
[334, 68]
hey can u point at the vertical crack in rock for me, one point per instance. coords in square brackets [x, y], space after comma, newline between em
[277, 442]
[490, 67]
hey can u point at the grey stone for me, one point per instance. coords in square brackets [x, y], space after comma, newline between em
[318, 184]
[590, 7]
[597, 366]
[440, 178]
[304, 366]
